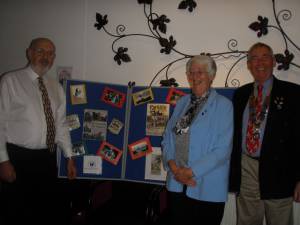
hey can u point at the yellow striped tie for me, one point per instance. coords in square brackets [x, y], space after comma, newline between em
[50, 139]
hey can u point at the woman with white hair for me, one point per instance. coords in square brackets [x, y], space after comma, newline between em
[196, 148]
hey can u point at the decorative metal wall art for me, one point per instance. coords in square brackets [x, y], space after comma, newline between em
[157, 25]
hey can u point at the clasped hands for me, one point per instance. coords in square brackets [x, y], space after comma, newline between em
[183, 175]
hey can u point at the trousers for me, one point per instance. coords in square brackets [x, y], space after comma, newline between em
[188, 211]
[251, 209]
[35, 196]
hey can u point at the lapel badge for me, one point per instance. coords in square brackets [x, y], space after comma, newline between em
[279, 102]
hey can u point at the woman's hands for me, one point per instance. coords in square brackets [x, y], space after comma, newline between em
[183, 175]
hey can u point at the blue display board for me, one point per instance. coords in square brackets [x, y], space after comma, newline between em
[134, 118]
[93, 95]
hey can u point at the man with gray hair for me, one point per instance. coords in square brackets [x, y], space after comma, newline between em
[31, 126]
[265, 172]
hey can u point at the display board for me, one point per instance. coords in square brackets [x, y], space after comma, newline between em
[116, 130]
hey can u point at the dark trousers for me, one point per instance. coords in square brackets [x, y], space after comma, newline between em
[187, 211]
[35, 196]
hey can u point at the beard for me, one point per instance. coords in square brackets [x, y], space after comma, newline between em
[44, 70]
[42, 66]
[44, 62]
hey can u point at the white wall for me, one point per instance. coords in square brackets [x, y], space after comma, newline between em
[70, 24]
[61, 20]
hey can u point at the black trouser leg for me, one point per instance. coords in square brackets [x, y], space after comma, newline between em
[187, 211]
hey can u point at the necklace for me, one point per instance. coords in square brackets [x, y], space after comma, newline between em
[183, 124]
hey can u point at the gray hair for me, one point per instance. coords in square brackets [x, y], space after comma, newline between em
[205, 60]
[35, 41]
[259, 45]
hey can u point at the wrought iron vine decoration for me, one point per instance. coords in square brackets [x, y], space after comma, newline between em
[157, 25]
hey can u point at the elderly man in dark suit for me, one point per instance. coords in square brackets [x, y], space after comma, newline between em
[265, 163]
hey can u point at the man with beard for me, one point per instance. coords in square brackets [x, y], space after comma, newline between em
[32, 124]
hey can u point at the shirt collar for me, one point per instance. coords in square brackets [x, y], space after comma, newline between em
[32, 75]
[266, 85]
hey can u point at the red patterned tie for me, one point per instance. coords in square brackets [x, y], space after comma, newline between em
[50, 139]
[252, 138]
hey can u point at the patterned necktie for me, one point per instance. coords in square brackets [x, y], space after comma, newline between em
[50, 138]
[183, 124]
[253, 133]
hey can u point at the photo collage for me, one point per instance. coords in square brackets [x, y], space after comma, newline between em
[96, 124]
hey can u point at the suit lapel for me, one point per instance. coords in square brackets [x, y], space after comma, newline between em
[269, 129]
[242, 101]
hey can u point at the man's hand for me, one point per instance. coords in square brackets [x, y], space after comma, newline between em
[71, 168]
[7, 172]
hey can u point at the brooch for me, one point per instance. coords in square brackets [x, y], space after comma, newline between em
[279, 102]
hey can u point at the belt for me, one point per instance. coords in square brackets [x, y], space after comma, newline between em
[252, 157]
[14, 146]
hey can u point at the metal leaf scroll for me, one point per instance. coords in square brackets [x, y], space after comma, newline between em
[285, 60]
[169, 83]
[187, 4]
[157, 25]
[261, 27]
[100, 21]
[167, 44]
[121, 56]
[160, 23]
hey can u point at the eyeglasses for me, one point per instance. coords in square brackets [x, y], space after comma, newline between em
[42, 52]
[196, 73]
[260, 58]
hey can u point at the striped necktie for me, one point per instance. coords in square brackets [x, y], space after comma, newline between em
[50, 138]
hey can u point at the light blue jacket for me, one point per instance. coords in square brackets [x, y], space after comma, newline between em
[209, 148]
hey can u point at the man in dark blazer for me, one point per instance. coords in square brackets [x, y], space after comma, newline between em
[265, 162]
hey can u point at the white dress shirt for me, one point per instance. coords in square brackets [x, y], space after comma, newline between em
[22, 118]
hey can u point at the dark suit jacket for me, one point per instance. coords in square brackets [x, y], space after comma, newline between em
[279, 163]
